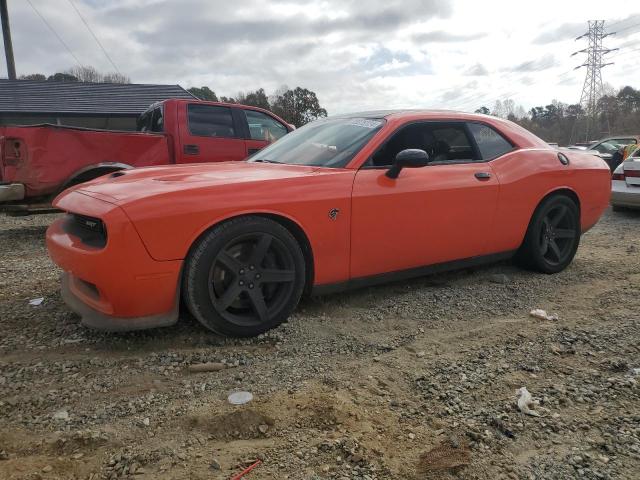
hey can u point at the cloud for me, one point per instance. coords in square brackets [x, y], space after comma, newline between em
[440, 36]
[354, 55]
[454, 94]
[477, 69]
[624, 27]
[543, 63]
[566, 31]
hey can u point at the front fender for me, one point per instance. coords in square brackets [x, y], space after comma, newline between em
[170, 223]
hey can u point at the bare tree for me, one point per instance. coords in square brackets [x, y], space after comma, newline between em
[90, 74]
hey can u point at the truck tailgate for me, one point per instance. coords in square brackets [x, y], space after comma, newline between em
[45, 157]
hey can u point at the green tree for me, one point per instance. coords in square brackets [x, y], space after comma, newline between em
[483, 110]
[629, 99]
[62, 77]
[298, 106]
[203, 93]
[256, 99]
[33, 76]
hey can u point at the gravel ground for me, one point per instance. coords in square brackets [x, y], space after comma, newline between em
[411, 380]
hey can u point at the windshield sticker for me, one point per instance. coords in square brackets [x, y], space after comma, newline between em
[365, 123]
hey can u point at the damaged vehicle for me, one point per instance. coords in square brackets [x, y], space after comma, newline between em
[342, 202]
[625, 184]
[37, 162]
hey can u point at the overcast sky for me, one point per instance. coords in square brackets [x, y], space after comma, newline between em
[355, 55]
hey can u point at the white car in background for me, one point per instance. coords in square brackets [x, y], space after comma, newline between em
[625, 183]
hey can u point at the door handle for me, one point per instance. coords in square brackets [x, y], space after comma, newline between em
[191, 149]
[483, 175]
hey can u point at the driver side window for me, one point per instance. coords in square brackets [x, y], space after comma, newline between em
[442, 141]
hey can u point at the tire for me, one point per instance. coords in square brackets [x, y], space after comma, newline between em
[553, 236]
[86, 177]
[244, 276]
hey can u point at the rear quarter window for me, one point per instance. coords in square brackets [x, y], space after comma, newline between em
[490, 143]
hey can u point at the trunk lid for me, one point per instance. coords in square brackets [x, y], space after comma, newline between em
[632, 171]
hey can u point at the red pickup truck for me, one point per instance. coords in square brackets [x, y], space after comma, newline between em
[38, 162]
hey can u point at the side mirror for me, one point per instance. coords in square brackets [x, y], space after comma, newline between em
[409, 158]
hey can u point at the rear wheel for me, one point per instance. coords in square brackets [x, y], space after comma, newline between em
[244, 276]
[553, 236]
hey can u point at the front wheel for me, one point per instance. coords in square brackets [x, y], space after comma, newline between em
[553, 236]
[244, 277]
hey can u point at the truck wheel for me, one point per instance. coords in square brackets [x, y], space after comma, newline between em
[553, 236]
[244, 277]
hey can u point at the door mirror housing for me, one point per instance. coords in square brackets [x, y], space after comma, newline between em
[409, 158]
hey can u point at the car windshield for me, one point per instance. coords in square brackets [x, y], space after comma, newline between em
[606, 147]
[324, 143]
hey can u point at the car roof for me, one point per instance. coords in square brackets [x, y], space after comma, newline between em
[515, 133]
[405, 112]
[617, 137]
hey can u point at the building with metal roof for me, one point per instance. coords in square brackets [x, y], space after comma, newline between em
[92, 105]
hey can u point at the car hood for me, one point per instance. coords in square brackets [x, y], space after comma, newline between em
[130, 185]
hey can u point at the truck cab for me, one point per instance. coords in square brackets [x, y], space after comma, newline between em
[212, 131]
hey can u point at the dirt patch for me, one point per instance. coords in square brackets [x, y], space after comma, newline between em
[241, 424]
[358, 385]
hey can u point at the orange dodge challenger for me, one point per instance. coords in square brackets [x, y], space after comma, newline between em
[342, 202]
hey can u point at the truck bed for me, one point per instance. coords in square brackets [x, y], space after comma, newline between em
[46, 158]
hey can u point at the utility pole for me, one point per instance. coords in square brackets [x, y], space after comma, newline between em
[6, 33]
[592, 89]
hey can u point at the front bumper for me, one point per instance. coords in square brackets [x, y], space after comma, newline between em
[622, 195]
[116, 285]
[98, 320]
[10, 192]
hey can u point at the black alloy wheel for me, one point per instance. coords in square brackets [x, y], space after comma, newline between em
[251, 276]
[244, 277]
[557, 235]
[553, 235]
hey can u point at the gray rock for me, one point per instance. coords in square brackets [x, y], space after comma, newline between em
[61, 415]
[500, 278]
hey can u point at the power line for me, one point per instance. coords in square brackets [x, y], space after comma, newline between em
[94, 36]
[488, 101]
[623, 20]
[473, 101]
[626, 28]
[470, 99]
[55, 33]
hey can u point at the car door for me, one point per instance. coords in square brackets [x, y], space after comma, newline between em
[429, 215]
[263, 129]
[210, 133]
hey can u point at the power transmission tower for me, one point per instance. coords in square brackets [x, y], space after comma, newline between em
[592, 90]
